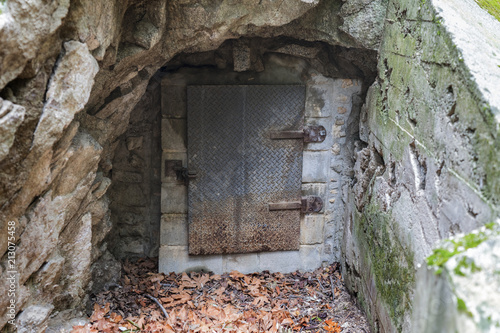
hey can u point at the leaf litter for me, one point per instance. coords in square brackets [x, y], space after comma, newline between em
[147, 301]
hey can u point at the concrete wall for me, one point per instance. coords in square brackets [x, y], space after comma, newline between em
[429, 167]
[329, 102]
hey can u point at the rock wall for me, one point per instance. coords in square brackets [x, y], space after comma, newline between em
[70, 77]
[428, 167]
[72, 73]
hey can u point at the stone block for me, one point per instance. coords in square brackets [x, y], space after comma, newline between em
[132, 245]
[34, 316]
[312, 229]
[245, 262]
[241, 56]
[127, 176]
[173, 199]
[279, 261]
[174, 229]
[319, 97]
[169, 177]
[345, 87]
[173, 101]
[315, 166]
[310, 256]
[173, 135]
[318, 189]
[129, 194]
[176, 259]
[134, 142]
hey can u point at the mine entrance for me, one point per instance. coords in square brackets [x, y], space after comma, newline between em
[238, 169]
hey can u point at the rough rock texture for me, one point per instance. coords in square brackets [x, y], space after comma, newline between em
[431, 118]
[70, 77]
[11, 116]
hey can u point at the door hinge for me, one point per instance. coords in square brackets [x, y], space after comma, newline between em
[308, 134]
[309, 204]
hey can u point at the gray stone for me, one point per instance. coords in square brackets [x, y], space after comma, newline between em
[34, 318]
[174, 101]
[245, 263]
[129, 194]
[11, 117]
[315, 166]
[76, 247]
[279, 261]
[241, 56]
[104, 271]
[68, 92]
[174, 229]
[478, 42]
[365, 24]
[127, 176]
[299, 50]
[19, 40]
[312, 229]
[177, 259]
[50, 272]
[173, 199]
[134, 142]
[319, 92]
[310, 256]
[173, 135]
[318, 189]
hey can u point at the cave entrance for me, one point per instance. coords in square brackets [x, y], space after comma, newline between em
[208, 226]
[149, 201]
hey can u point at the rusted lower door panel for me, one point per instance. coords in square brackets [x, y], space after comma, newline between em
[240, 169]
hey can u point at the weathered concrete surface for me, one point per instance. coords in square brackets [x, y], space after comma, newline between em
[428, 165]
[458, 291]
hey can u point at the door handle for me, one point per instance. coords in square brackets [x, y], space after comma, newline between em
[309, 204]
[308, 134]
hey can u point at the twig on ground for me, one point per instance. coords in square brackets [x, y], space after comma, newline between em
[320, 284]
[154, 299]
[333, 290]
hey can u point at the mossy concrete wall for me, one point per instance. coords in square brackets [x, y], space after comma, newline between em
[428, 165]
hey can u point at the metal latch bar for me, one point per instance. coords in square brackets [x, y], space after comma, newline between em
[309, 204]
[308, 134]
[175, 168]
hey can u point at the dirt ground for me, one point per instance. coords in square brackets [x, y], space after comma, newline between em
[148, 301]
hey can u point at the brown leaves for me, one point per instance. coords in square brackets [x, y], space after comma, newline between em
[200, 302]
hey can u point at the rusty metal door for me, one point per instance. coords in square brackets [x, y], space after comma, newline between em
[240, 170]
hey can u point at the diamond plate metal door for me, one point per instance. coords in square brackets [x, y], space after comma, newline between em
[240, 170]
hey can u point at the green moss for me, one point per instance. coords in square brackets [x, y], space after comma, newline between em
[391, 263]
[492, 6]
